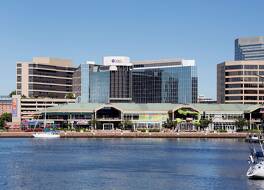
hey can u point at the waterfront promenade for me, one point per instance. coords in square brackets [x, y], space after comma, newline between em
[127, 134]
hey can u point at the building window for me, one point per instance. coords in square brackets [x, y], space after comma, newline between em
[18, 78]
[250, 98]
[250, 67]
[233, 67]
[19, 86]
[234, 85]
[237, 79]
[233, 98]
[19, 71]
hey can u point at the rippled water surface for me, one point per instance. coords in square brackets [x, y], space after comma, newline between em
[124, 164]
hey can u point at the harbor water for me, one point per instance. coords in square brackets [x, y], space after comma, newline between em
[124, 164]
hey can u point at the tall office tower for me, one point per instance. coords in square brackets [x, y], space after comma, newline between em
[44, 77]
[120, 78]
[109, 82]
[251, 48]
[240, 82]
[165, 81]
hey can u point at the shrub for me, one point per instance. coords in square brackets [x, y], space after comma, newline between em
[142, 130]
[154, 130]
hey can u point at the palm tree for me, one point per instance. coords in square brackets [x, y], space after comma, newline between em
[240, 123]
[93, 122]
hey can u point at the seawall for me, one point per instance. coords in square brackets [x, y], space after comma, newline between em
[119, 134]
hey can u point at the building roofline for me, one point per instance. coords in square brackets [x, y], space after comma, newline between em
[160, 61]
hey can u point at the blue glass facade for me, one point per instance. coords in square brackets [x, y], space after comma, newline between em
[85, 81]
[177, 84]
[163, 82]
[99, 87]
[251, 48]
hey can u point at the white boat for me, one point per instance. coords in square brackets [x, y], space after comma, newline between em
[256, 171]
[46, 135]
[254, 138]
[256, 163]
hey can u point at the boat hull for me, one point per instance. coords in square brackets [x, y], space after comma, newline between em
[256, 171]
[46, 135]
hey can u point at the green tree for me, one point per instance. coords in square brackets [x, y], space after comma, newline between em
[5, 117]
[93, 122]
[204, 123]
[168, 124]
[240, 123]
[174, 123]
[70, 96]
[12, 93]
[126, 123]
[197, 124]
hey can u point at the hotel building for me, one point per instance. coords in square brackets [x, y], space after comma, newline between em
[119, 80]
[240, 82]
[251, 48]
[44, 77]
[110, 82]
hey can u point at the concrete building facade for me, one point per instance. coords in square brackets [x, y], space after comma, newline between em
[44, 77]
[240, 82]
[27, 109]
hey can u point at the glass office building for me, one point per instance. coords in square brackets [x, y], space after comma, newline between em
[251, 48]
[91, 83]
[110, 82]
[118, 80]
[165, 81]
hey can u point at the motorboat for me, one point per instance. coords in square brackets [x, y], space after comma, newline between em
[50, 134]
[254, 138]
[256, 163]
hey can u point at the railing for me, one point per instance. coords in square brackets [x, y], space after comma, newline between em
[109, 119]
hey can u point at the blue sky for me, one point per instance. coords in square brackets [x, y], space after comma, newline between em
[203, 30]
